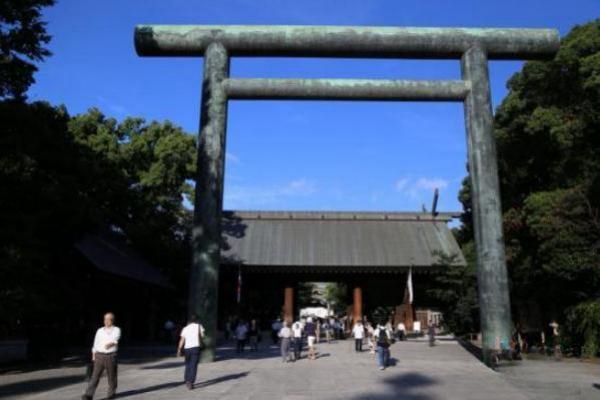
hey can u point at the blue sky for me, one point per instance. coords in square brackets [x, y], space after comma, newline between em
[293, 155]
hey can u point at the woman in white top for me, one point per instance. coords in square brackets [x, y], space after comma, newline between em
[358, 331]
[401, 331]
[190, 342]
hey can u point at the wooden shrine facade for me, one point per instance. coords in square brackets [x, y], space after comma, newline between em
[372, 252]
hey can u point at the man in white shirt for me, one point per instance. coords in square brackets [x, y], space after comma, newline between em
[190, 341]
[241, 334]
[358, 331]
[297, 338]
[104, 357]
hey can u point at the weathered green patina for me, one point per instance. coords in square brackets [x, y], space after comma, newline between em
[492, 278]
[344, 41]
[474, 47]
[345, 89]
[206, 234]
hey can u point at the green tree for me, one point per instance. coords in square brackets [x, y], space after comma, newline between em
[336, 295]
[40, 209]
[62, 176]
[140, 173]
[22, 43]
[584, 319]
[455, 290]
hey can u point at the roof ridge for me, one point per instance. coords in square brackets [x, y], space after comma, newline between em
[341, 215]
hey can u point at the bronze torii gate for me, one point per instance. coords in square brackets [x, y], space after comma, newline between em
[474, 47]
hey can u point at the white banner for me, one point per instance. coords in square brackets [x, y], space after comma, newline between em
[410, 286]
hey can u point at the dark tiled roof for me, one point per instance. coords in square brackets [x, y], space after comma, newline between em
[339, 239]
[115, 258]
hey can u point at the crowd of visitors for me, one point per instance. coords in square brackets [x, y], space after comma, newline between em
[290, 336]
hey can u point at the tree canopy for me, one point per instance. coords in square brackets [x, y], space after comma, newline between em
[23, 38]
[63, 176]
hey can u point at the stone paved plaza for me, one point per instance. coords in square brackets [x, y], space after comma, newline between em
[445, 371]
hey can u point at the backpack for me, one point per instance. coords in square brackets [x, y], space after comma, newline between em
[382, 339]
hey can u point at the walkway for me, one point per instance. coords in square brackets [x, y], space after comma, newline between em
[445, 371]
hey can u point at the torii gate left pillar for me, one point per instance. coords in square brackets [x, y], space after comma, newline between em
[206, 234]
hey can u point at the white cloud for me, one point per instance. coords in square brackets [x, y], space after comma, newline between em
[431, 184]
[300, 187]
[112, 106]
[401, 184]
[416, 188]
[242, 196]
[232, 158]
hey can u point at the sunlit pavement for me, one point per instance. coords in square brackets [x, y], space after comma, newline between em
[445, 371]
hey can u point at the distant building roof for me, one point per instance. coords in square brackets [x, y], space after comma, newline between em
[335, 240]
[112, 257]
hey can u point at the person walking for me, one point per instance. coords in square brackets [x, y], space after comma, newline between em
[169, 331]
[383, 341]
[370, 338]
[318, 330]
[327, 330]
[275, 328]
[228, 329]
[401, 331]
[285, 337]
[297, 339]
[189, 345]
[431, 334]
[358, 331]
[253, 335]
[311, 332]
[104, 357]
[241, 333]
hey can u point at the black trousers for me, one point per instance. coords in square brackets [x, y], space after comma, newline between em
[103, 362]
[191, 364]
[297, 348]
[358, 344]
[240, 344]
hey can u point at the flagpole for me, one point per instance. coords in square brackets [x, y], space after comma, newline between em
[239, 285]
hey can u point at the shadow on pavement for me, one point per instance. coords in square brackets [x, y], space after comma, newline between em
[171, 385]
[167, 365]
[406, 386]
[38, 385]
[220, 379]
[471, 348]
[149, 389]
[229, 353]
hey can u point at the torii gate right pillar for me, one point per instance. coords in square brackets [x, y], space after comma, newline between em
[492, 277]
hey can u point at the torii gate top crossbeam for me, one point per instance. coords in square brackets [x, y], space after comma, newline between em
[345, 41]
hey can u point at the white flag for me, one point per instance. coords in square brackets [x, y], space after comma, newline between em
[409, 286]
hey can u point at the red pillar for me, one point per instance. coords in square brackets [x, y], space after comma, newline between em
[357, 296]
[288, 304]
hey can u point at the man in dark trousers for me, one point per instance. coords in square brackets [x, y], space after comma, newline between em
[104, 357]
[189, 345]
